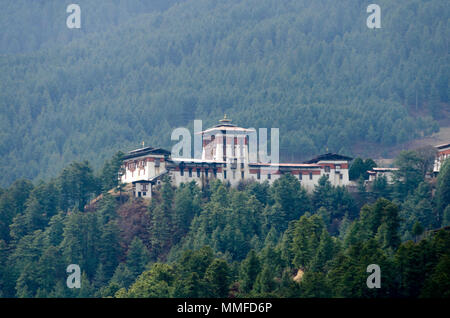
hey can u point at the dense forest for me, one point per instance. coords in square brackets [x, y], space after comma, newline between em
[138, 69]
[255, 240]
[28, 26]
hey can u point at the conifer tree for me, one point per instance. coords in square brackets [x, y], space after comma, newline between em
[217, 278]
[443, 189]
[137, 257]
[250, 268]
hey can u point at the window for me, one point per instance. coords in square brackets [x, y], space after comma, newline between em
[182, 171]
[269, 176]
[300, 176]
[242, 165]
[242, 174]
[234, 164]
[206, 172]
[157, 162]
[144, 194]
[310, 176]
[327, 168]
[144, 187]
[224, 174]
[258, 175]
[190, 172]
[341, 176]
[215, 172]
[198, 173]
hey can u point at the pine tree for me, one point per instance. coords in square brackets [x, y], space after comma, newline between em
[162, 220]
[314, 284]
[446, 217]
[356, 169]
[417, 230]
[217, 278]
[250, 268]
[109, 249]
[306, 239]
[123, 277]
[265, 282]
[438, 283]
[190, 287]
[137, 257]
[443, 189]
[325, 252]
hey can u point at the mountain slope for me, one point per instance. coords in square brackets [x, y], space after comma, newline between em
[313, 69]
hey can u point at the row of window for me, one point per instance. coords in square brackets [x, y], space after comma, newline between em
[141, 163]
[269, 176]
[258, 174]
[327, 168]
[300, 176]
[198, 171]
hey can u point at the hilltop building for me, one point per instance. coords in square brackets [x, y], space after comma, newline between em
[443, 152]
[389, 173]
[225, 156]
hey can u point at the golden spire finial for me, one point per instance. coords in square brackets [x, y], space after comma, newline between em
[225, 119]
[143, 143]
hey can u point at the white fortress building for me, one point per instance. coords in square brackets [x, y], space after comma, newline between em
[225, 156]
[443, 153]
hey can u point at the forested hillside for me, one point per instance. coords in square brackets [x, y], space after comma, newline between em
[31, 25]
[251, 241]
[311, 68]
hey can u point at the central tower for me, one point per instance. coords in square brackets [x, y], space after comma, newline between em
[226, 142]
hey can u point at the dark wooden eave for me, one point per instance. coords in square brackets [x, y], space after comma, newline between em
[329, 157]
[146, 151]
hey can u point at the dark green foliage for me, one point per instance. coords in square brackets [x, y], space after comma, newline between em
[289, 201]
[250, 255]
[381, 188]
[217, 278]
[250, 268]
[110, 173]
[417, 229]
[360, 167]
[12, 204]
[314, 285]
[438, 284]
[335, 200]
[77, 184]
[133, 73]
[380, 220]
[443, 189]
[137, 257]
[187, 205]
[162, 222]
[446, 217]
[325, 252]
[306, 239]
[109, 249]
[229, 223]
[348, 276]
[411, 171]
[418, 207]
